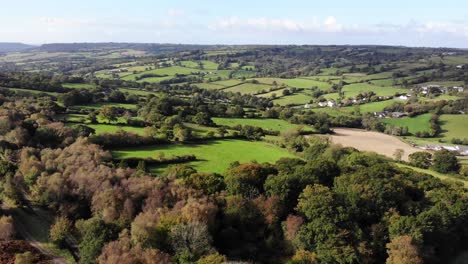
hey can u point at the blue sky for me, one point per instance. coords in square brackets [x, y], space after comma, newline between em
[396, 22]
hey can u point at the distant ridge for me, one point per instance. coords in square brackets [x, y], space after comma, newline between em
[14, 46]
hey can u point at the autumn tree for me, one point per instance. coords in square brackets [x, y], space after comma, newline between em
[60, 230]
[402, 250]
[7, 228]
[108, 113]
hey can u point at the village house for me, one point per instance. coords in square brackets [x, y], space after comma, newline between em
[398, 114]
[458, 89]
[380, 114]
[403, 97]
[307, 106]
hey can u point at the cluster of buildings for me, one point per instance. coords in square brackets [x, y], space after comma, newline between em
[330, 103]
[460, 150]
[433, 88]
[386, 114]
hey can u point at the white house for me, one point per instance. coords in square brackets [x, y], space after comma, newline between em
[322, 104]
[331, 103]
[403, 97]
[307, 106]
[458, 89]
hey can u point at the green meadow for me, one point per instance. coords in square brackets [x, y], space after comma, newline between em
[212, 156]
[454, 126]
[265, 123]
[414, 124]
[248, 88]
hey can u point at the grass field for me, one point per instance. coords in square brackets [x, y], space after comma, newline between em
[79, 85]
[296, 82]
[227, 83]
[209, 86]
[248, 88]
[371, 107]
[35, 226]
[270, 124]
[105, 128]
[212, 156]
[99, 105]
[352, 90]
[414, 124]
[169, 71]
[454, 126]
[295, 99]
[435, 174]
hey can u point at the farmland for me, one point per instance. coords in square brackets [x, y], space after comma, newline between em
[212, 156]
[371, 141]
[454, 126]
[268, 124]
[414, 124]
[207, 154]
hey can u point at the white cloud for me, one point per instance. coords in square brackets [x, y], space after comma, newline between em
[173, 12]
[175, 26]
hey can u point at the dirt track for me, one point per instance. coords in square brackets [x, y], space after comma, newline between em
[371, 141]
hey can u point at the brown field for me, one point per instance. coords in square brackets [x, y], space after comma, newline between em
[371, 141]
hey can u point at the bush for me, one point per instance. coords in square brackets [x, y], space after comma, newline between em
[445, 162]
[420, 159]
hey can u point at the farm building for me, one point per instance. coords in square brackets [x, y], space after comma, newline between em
[460, 150]
[458, 89]
[398, 114]
[380, 114]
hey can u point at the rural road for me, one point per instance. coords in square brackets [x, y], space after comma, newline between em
[22, 231]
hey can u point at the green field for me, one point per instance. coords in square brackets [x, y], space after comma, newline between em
[105, 128]
[99, 105]
[168, 72]
[454, 126]
[212, 156]
[296, 82]
[249, 88]
[371, 107]
[227, 83]
[269, 124]
[79, 85]
[414, 124]
[352, 90]
[295, 99]
[209, 86]
[435, 174]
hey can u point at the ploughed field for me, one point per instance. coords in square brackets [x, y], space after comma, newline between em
[371, 141]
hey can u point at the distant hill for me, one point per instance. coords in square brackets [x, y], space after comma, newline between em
[96, 47]
[14, 46]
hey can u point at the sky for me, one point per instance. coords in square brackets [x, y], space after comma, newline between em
[418, 23]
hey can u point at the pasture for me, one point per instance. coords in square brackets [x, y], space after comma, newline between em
[454, 126]
[249, 88]
[109, 128]
[352, 90]
[212, 156]
[294, 99]
[265, 123]
[414, 124]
